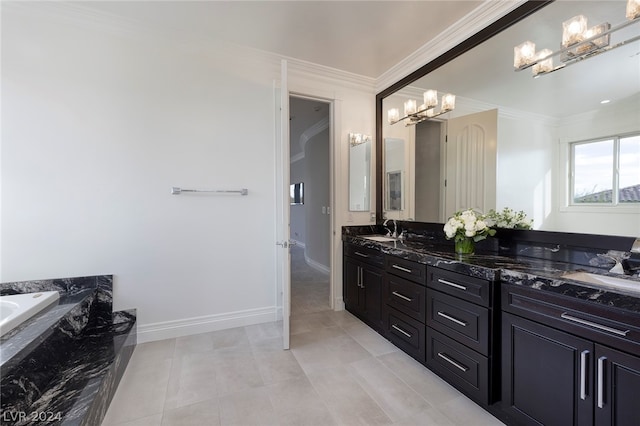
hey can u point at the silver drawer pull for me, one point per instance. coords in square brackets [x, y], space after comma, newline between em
[449, 283]
[583, 374]
[601, 361]
[593, 324]
[395, 327]
[452, 362]
[402, 296]
[450, 318]
[408, 271]
[361, 254]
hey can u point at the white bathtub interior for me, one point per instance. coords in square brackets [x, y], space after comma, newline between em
[17, 308]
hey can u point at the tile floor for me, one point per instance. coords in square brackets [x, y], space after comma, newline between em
[338, 372]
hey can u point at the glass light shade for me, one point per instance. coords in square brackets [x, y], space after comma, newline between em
[431, 98]
[524, 54]
[393, 115]
[545, 65]
[422, 110]
[573, 30]
[355, 139]
[633, 9]
[410, 107]
[599, 29]
[448, 102]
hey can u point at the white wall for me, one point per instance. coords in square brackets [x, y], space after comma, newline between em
[101, 119]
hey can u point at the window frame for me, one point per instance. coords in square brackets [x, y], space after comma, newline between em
[614, 205]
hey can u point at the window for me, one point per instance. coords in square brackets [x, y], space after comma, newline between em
[606, 171]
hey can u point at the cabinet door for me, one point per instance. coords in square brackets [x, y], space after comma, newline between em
[617, 386]
[372, 294]
[547, 375]
[351, 280]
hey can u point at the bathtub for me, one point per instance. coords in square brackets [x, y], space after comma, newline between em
[17, 308]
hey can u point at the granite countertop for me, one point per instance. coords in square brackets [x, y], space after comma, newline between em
[540, 274]
[33, 331]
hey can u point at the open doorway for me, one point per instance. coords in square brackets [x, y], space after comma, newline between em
[310, 210]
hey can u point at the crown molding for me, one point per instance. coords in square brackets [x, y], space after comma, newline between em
[479, 18]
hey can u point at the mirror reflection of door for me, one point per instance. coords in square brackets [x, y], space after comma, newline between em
[471, 162]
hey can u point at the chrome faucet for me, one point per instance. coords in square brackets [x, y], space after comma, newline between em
[395, 228]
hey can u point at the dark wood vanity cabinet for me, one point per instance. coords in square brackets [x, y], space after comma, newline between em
[460, 336]
[362, 284]
[404, 296]
[561, 362]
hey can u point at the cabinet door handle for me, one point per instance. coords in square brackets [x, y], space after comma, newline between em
[452, 362]
[394, 266]
[583, 374]
[450, 318]
[361, 254]
[593, 324]
[601, 361]
[402, 296]
[454, 285]
[395, 327]
[361, 277]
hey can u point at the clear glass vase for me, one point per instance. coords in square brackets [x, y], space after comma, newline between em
[465, 246]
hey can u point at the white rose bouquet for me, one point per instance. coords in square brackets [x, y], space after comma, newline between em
[507, 218]
[467, 224]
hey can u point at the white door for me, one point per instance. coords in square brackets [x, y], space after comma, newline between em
[283, 256]
[471, 162]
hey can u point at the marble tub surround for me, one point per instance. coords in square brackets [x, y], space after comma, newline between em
[528, 258]
[64, 363]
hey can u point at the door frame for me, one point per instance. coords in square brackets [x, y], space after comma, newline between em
[332, 179]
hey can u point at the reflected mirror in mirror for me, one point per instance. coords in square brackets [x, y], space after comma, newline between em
[538, 122]
[394, 182]
[296, 193]
[359, 172]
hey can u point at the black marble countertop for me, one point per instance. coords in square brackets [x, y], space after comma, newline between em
[33, 331]
[540, 274]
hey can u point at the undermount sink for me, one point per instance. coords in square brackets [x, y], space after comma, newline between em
[380, 238]
[605, 281]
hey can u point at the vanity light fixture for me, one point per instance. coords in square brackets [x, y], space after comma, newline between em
[415, 114]
[579, 42]
[358, 138]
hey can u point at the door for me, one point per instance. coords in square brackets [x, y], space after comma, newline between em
[283, 256]
[618, 381]
[471, 162]
[547, 378]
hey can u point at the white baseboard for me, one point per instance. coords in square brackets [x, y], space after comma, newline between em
[205, 324]
[315, 265]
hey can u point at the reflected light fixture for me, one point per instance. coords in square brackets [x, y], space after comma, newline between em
[579, 42]
[358, 139]
[415, 114]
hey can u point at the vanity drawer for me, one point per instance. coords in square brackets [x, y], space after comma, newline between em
[406, 333]
[463, 321]
[364, 254]
[406, 296]
[459, 365]
[474, 290]
[406, 269]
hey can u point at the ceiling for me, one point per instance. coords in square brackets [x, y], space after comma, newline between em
[362, 37]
